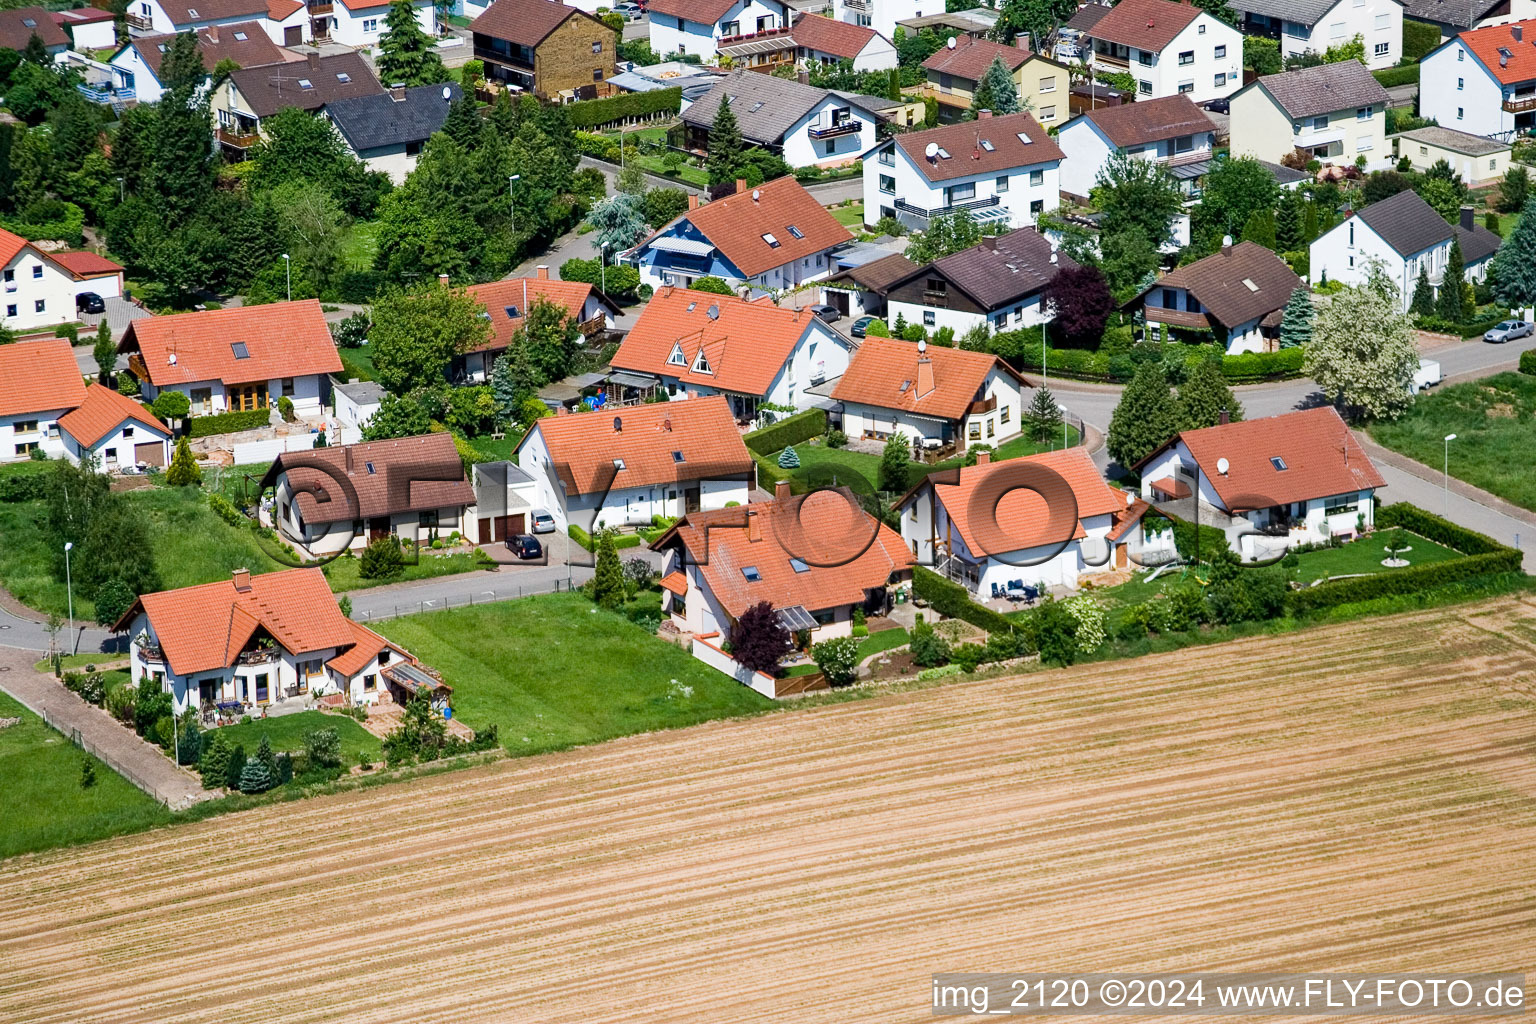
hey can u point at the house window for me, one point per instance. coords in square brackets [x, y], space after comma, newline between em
[1339, 506]
[1493, 164]
[831, 146]
[928, 318]
[730, 28]
[370, 24]
[385, 657]
[1048, 113]
[1461, 83]
[1002, 414]
[991, 427]
[1200, 30]
[1336, 30]
[1382, 49]
[1221, 79]
[888, 157]
[597, 74]
[1037, 178]
[1186, 87]
[427, 520]
[288, 386]
[887, 184]
[1221, 52]
[1048, 84]
[1144, 57]
[37, 271]
[959, 193]
[1459, 112]
[1018, 314]
[1037, 207]
[1363, 114]
[1183, 144]
[127, 433]
[1382, 21]
[936, 286]
[10, 310]
[973, 431]
[1187, 57]
[39, 305]
[1461, 55]
[1000, 321]
[370, 681]
[1363, 144]
[1144, 87]
[25, 448]
[25, 427]
[413, 148]
[597, 47]
[1001, 185]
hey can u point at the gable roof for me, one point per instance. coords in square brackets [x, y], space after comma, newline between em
[1001, 268]
[971, 57]
[216, 43]
[1023, 518]
[1320, 453]
[526, 22]
[1144, 24]
[890, 374]
[967, 144]
[877, 275]
[281, 339]
[1307, 92]
[39, 376]
[706, 12]
[367, 645]
[1405, 222]
[1237, 283]
[100, 413]
[1478, 243]
[200, 12]
[369, 122]
[1507, 51]
[1305, 12]
[381, 478]
[744, 344]
[827, 35]
[765, 106]
[1087, 16]
[500, 298]
[274, 87]
[85, 264]
[1148, 121]
[736, 224]
[206, 627]
[1459, 14]
[842, 552]
[19, 24]
[584, 447]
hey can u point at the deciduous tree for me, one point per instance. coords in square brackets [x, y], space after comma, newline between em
[945, 236]
[894, 463]
[397, 416]
[759, 640]
[416, 334]
[1364, 352]
[1081, 303]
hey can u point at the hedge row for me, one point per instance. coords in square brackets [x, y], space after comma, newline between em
[1528, 362]
[1407, 74]
[949, 598]
[23, 487]
[802, 426]
[624, 107]
[1461, 328]
[1411, 580]
[1437, 529]
[1419, 37]
[227, 422]
[1084, 364]
[582, 537]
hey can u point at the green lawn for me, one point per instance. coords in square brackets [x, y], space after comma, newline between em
[287, 733]
[654, 164]
[344, 573]
[357, 362]
[488, 449]
[554, 671]
[884, 640]
[851, 216]
[1365, 555]
[1492, 421]
[44, 804]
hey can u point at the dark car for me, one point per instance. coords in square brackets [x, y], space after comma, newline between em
[861, 325]
[526, 545]
[1220, 105]
[89, 302]
[826, 312]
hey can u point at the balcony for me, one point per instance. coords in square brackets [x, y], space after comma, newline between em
[857, 5]
[259, 656]
[136, 365]
[1520, 103]
[596, 325]
[319, 7]
[1111, 63]
[1175, 317]
[504, 58]
[236, 139]
[982, 406]
[136, 22]
[903, 206]
[151, 653]
[742, 37]
[852, 126]
[105, 95]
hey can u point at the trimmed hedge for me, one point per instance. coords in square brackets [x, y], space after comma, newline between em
[1419, 37]
[1411, 580]
[23, 487]
[1407, 74]
[1083, 364]
[802, 426]
[1262, 365]
[622, 541]
[949, 598]
[595, 113]
[227, 422]
[1461, 328]
[1435, 528]
[1528, 362]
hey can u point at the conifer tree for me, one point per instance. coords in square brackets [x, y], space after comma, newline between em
[724, 145]
[1451, 304]
[789, 458]
[608, 579]
[1147, 415]
[407, 55]
[1044, 415]
[183, 471]
[1296, 321]
[1204, 396]
[1514, 265]
[1423, 303]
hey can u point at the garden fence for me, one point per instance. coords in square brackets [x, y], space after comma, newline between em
[90, 748]
[463, 601]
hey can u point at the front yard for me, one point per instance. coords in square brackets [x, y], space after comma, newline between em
[686, 171]
[554, 671]
[287, 733]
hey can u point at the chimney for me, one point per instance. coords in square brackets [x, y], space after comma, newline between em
[781, 490]
[1226, 245]
[805, 76]
[983, 458]
[314, 61]
[397, 91]
[1224, 418]
[741, 185]
[242, 578]
[541, 271]
[1516, 31]
[442, 279]
[983, 114]
[924, 372]
[693, 201]
[754, 530]
[1466, 218]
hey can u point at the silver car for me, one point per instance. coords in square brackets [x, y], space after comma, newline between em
[1508, 330]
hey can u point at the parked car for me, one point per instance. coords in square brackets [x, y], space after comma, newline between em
[1428, 375]
[826, 312]
[525, 546]
[1508, 330]
[861, 325]
[630, 11]
[542, 521]
[89, 302]
[1219, 105]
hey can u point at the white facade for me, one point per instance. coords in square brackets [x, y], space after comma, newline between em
[1379, 24]
[331, 538]
[802, 149]
[160, 23]
[130, 71]
[129, 443]
[36, 292]
[1262, 129]
[1088, 149]
[1346, 252]
[21, 433]
[1204, 61]
[363, 27]
[891, 175]
[700, 613]
[352, 413]
[1459, 91]
[1029, 311]
[1247, 336]
[672, 34]
[307, 393]
[879, 54]
[92, 35]
[882, 15]
[991, 427]
[819, 355]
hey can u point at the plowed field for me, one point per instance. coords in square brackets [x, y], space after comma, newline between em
[1359, 796]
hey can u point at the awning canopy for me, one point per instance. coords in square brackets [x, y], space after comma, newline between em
[796, 618]
[685, 246]
[629, 379]
[676, 583]
[755, 46]
[412, 678]
[1193, 169]
[1171, 488]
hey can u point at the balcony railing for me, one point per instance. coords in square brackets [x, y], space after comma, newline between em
[105, 94]
[1175, 317]
[141, 23]
[741, 37]
[592, 326]
[151, 652]
[857, 5]
[982, 407]
[511, 60]
[235, 139]
[944, 211]
[1519, 104]
[260, 656]
[852, 126]
[1105, 60]
[318, 7]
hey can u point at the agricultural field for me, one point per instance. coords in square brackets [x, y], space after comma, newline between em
[1369, 806]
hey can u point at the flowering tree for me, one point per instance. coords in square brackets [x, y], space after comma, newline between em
[1363, 351]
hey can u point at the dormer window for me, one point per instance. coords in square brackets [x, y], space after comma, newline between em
[701, 365]
[677, 358]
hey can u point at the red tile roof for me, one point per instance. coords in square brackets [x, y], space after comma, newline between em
[85, 264]
[745, 344]
[206, 627]
[1320, 453]
[520, 293]
[382, 478]
[526, 22]
[280, 10]
[10, 245]
[881, 367]
[1144, 24]
[38, 376]
[584, 446]
[971, 57]
[1485, 43]
[966, 143]
[736, 226]
[827, 35]
[675, 582]
[707, 12]
[100, 413]
[283, 339]
[843, 550]
[1147, 121]
[1024, 518]
[367, 645]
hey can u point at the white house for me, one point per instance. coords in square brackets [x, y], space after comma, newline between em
[328, 500]
[39, 384]
[356, 402]
[360, 23]
[1171, 131]
[882, 15]
[115, 431]
[387, 131]
[828, 41]
[252, 641]
[1337, 113]
[38, 289]
[1004, 170]
[692, 343]
[776, 236]
[1043, 520]
[935, 397]
[1406, 235]
[136, 65]
[1238, 293]
[809, 127]
[90, 28]
[815, 558]
[1482, 81]
[1480, 162]
[238, 359]
[1169, 48]
[506, 306]
[285, 22]
[1299, 478]
[680, 26]
[625, 466]
[998, 283]
[505, 494]
[1312, 26]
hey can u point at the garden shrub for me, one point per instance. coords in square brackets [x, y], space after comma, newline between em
[791, 430]
[27, 487]
[382, 559]
[953, 600]
[1462, 328]
[70, 331]
[623, 107]
[1528, 362]
[968, 656]
[227, 422]
[225, 510]
[620, 541]
[929, 650]
[838, 660]
[1414, 579]
[1406, 74]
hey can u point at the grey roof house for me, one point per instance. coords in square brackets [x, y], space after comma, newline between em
[248, 95]
[387, 130]
[805, 124]
[1333, 112]
[997, 282]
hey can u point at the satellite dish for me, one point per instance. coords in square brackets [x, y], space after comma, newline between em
[173, 359]
[447, 93]
[932, 150]
[1222, 465]
[756, 194]
[922, 345]
[951, 43]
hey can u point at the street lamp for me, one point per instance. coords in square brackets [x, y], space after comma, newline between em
[1042, 354]
[69, 587]
[512, 201]
[288, 273]
[120, 190]
[602, 268]
[1063, 410]
[1448, 439]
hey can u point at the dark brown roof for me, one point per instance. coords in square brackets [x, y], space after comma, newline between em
[190, 12]
[827, 35]
[1147, 121]
[971, 57]
[1002, 269]
[1087, 16]
[1017, 140]
[216, 43]
[877, 276]
[526, 22]
[17, 27]
[274, 87]
[1307, 92]
[375, 478]
[1144, 24]
[1245, 282]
